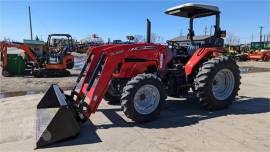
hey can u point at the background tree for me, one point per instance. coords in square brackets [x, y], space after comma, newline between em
[231, 39]
[138, 38]
[156, 38]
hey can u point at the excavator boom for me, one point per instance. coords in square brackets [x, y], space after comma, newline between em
[5, 45]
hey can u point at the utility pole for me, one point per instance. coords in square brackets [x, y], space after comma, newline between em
[211, 29]
[264, 38]
[261, 27]
[205, 30]
[30, 21]
[252, 37]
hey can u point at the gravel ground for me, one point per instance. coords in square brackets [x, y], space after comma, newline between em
[13, 86]
[182, 126]
[257, 64]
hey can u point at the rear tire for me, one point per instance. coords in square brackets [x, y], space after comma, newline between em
[38, 74]
[113, 94]
[266, 59]
[217, 83]
[237, 58]
[142, 97]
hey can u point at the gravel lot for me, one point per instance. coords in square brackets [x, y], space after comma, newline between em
[182, 126]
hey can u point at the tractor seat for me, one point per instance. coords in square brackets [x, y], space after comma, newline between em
[192, 49]
[169, 55]
[180, 57]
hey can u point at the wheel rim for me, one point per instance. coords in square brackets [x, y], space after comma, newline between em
[223, 84]
[146, 99]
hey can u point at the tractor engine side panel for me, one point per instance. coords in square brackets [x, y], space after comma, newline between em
[131, 69]
[139, 61]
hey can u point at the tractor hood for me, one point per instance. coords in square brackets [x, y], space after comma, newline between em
[126, 47]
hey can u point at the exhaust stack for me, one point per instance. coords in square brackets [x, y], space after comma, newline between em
[148, 32]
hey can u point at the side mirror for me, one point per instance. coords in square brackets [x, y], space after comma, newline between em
[130, 38]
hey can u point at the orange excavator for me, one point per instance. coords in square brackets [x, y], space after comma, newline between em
[56, 60]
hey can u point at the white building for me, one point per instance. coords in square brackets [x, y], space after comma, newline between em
[92, 39]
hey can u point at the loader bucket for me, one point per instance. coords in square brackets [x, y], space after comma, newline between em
[56, 118]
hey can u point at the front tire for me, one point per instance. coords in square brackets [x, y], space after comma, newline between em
[143, 97]
[5, 73]
[217, 83]
[70, 65]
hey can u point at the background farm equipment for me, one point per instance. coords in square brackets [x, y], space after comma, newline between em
[237, 52]
[55, 59]
[260, 45]
[259, 51]
[83, 48]
[262, 55]
[141, 76]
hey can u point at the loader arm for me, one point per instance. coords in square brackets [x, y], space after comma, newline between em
[98, 77]
[101, 69]
[88, 68]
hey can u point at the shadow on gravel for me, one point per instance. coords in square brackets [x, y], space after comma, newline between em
[180, 113]
[176, 113]
[87, 135]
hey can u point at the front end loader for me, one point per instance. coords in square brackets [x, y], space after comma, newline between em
[143, 75]
[59, 115]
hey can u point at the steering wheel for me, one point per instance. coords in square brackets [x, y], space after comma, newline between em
[174, 44]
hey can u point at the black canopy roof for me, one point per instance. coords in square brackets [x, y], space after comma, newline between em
[190, 10]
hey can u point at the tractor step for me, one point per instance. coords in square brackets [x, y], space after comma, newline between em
[56, 118]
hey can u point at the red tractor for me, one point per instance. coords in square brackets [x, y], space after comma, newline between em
[141, 76]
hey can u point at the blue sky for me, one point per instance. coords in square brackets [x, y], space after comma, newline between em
[116, 19]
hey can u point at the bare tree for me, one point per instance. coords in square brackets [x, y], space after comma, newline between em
[138, 38]
[5, 39]
[231, 39]
[156, 38]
